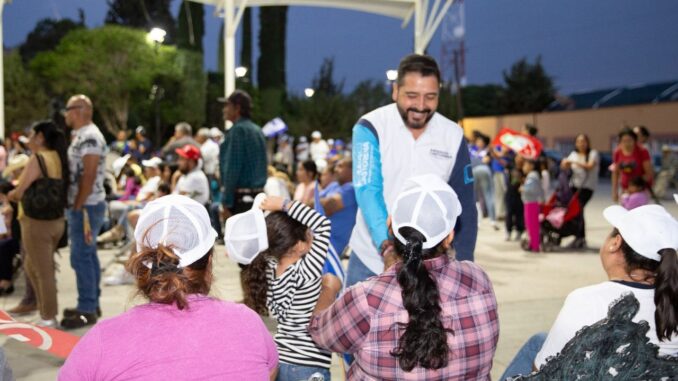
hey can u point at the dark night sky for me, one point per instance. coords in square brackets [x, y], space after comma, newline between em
[584, 44]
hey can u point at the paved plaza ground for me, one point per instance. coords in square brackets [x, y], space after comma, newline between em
[530, 289]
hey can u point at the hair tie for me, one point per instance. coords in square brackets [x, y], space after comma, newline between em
[164, 267]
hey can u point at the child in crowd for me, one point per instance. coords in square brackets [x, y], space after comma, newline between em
[514, 204]
[636, 194]
[285, 280]
[532, 195]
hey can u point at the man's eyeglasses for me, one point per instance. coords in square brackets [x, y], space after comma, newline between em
[69, 108]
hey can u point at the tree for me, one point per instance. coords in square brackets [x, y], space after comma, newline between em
[143, 14]
[528, 88]
[369, 95]
[323, 82]
[246, 49]
[271, 63]
[46, 36]
[25, 100]
[191, 28]
[121, 86]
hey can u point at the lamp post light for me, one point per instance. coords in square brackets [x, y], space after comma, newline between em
[309, 92]
[392, 75]
[240, 72]
[157, 35]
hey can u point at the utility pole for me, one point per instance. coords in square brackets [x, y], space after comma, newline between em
[458, 59]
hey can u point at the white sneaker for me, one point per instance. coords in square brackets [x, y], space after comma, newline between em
[48, 323]
[121, 277]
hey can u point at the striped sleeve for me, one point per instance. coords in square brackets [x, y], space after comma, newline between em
[311, 265]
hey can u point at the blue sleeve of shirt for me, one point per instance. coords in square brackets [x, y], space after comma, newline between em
[368, 180]
[466, 229]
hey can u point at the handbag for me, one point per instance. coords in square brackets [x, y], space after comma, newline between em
[44, 198]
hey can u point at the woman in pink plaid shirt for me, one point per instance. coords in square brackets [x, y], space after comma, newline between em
[427, 317]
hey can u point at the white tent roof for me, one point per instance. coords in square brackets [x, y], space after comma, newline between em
[427, 17]
[401, 9]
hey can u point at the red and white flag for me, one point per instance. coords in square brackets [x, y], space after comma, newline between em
[522, 144]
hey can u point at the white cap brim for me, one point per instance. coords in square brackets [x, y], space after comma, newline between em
[647, 229]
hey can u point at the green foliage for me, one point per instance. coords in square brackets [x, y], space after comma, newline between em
[191, 28]
[25, 100]
[369, 95]
[46, 36]
[144, 14]
[116, 66]
[323, 82]
[246, 46]
[528, 88]
[272, 37]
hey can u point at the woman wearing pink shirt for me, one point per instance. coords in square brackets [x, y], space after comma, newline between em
[182, 333]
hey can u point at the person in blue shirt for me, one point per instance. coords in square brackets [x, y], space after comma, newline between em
[340, 205]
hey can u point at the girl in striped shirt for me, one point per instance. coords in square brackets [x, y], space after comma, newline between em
[285, 281]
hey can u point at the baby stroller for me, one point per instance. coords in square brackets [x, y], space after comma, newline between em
[562, 214]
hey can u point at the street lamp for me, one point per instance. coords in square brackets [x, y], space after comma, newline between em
[157, 35]
[309, 92]
[240, 72]
[391, 75]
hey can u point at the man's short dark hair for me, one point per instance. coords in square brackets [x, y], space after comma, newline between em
[242, 99]
[418, 63]
[642, 130]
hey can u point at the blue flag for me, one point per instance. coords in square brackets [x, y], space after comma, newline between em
[333, 262]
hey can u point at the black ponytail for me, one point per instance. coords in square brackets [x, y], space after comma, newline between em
[424, 342]
[665, 274]
[666, 295]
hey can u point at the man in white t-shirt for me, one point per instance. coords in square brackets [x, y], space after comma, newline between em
[318, 147]
[86, 208]
[209, 152]
[193, 182]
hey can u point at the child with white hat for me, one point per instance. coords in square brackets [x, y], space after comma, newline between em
[284, 253]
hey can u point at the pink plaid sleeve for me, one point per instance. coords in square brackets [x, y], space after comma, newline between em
[343, 327]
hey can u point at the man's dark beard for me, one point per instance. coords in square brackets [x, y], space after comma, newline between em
[184, 170]
[403, 115]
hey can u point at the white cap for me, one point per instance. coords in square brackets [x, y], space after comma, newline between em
[427, 204]
[245, 233]
[119, 164]
[153, 162]
[316, 135]
[647, 229]
[178, 222]
[216, 132]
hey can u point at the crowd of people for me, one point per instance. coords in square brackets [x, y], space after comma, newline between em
[402, 202]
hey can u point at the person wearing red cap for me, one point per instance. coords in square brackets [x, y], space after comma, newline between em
[193, 182]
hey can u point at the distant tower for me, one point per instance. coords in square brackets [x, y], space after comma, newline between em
[453, 52]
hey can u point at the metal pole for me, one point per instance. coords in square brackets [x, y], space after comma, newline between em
[2, 76]
[229, 48]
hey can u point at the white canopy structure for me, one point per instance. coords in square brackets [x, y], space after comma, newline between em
[427, 17]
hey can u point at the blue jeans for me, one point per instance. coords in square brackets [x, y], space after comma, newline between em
[84, 259]
[482, 177]
[524, 360]
[356, 271]
[291, 372]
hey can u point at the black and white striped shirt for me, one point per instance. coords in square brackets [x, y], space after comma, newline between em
[292, 297]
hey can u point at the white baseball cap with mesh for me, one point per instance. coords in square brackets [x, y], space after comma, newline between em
[245, 234]
[427, 204]
[177, 222]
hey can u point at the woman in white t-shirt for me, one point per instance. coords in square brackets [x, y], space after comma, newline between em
[584, 163]
[639, 257]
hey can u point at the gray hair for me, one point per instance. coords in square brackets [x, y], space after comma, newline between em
[184, 128]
